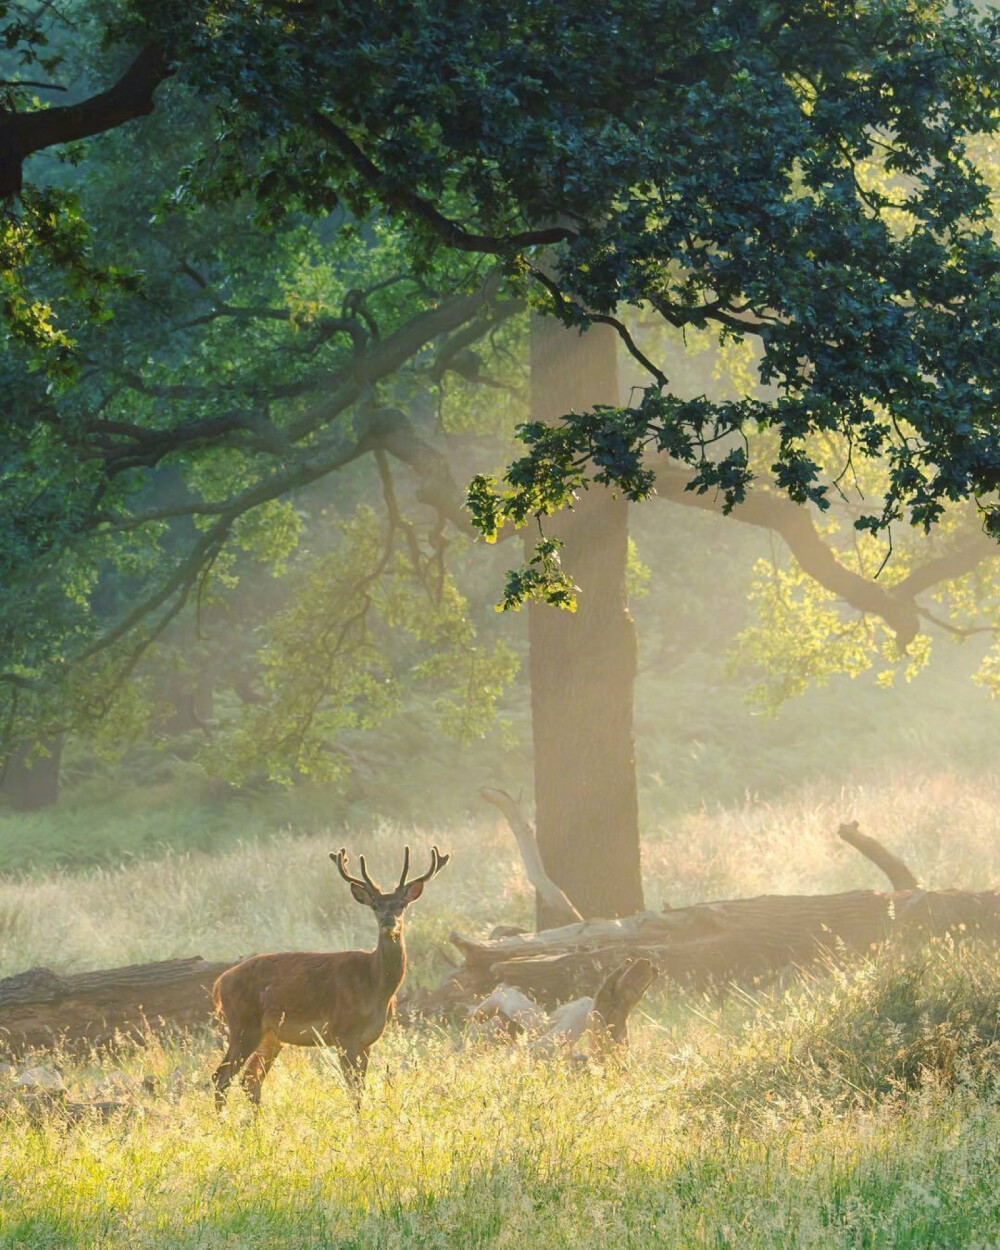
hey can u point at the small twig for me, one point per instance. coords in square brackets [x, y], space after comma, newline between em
[960, 631]
[603, 319]
[30, 82]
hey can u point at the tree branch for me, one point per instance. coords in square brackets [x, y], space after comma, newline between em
[387, 430]
[524, 835]
[21, 134]
[619, 327]
[392, 431]
[898, 873]
[895, 605]
[795, 525]
[952, 564]
[397, 197]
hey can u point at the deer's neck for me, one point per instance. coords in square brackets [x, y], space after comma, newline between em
[390, 962]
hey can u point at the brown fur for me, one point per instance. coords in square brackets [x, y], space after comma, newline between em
[341, 999]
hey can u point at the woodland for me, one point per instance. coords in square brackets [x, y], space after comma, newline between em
[563, 434]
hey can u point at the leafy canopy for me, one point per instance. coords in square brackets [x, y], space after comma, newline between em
[703, 160]
[801, 176]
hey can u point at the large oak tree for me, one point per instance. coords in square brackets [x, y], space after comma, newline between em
[801, 176]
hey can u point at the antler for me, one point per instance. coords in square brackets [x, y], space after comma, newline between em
[438, 861]
[406, 867]
[340, 859]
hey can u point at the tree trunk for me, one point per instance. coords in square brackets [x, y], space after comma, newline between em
[582, 664]
[28, 787]
[192, 703]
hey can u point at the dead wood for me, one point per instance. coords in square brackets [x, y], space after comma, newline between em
[709, 943]
[618, 995]
[508, 1013]
[704, 944]
[900, 877]
[39, 1008]
[716, 943]
[524, 835]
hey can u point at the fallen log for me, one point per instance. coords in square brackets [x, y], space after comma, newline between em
[714, 943]
[708, 943]
[704, 944]
[617, 997]
[507, 1014]
[40, 1008]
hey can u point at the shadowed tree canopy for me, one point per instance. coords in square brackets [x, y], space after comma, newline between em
[712, 162]
[804, 176]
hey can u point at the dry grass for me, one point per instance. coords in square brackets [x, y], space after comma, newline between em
[946, 828]
[282, 893]
[277, 894]
[857, 1111]
[723, 1130]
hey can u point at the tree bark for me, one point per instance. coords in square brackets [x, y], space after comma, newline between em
[708, 944]
[29, 787]
[39, 1008]
[899, 874]
[582, 665]
[131, 96]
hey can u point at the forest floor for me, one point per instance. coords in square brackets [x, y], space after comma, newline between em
[860, 1109]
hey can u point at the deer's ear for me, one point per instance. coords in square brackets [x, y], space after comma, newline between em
[361, 894]
[414, 891]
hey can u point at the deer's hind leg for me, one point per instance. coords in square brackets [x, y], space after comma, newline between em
[242, 1044]
[259, 1065]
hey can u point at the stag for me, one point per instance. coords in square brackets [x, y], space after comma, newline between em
[341, 999]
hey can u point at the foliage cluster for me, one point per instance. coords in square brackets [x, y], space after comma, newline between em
[339, 210]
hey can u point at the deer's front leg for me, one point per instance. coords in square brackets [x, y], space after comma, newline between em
[354, 1065]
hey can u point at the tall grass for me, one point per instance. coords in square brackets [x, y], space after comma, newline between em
[729, 1126]
[281, 892]
[860, 1109]
[269, 894]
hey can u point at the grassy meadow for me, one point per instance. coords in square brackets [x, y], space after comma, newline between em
[729, 1126]
[861, 1109]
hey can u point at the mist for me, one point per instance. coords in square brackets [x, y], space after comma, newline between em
[499, 614]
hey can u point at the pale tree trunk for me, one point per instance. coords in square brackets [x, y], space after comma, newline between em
[192, 702]
[583, 664]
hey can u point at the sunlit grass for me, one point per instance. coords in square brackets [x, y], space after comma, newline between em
[688, 1144]
[280, 892]
[946, 827]
[856, 1109]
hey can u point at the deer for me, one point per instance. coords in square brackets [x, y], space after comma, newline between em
[342, 999]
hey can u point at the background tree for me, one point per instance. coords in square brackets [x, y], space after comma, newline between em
[791, 176]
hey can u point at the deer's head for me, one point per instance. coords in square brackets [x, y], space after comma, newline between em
[389, 906]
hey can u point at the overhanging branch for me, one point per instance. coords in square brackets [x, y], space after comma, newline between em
[395, 195]
[311, 460]
[131, 96]
[895, 605]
